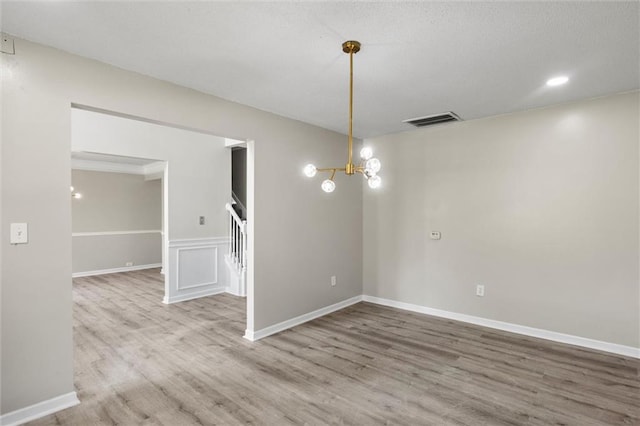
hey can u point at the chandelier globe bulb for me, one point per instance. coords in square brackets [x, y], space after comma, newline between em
[310, 170]
[374, 181]
[366, 153]
[373, 165]
[328, 185]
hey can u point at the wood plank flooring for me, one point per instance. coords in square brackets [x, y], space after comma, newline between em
[139, 362]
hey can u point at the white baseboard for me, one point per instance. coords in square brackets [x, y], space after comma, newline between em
[115, 270]
[628, 351]
[276, 328]
[230, 291]
[193, 295]
[40, 409]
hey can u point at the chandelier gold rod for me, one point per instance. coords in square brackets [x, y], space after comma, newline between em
[349, 166]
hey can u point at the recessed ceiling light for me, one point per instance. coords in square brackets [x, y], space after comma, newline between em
[557, 81]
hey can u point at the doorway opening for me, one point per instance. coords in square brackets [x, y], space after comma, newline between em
[117, 206]
[196, 186]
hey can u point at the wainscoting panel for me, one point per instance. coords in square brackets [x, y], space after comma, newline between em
[197, 267]
[194, 268]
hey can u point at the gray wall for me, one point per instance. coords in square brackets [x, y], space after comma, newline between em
[293, 258]
[117, 203]
[101, 253]
[541, 207]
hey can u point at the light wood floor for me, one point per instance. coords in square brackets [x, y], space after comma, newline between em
[141, 362]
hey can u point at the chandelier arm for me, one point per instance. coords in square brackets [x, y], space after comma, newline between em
[331, 169]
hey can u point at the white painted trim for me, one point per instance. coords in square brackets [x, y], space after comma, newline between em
[193, 295]
[106, 166]
[154, 168]
[628, 351]
[99, 234]
[198, 242]
[148, 170]
[115, 270]
[228, 142]
[40, 409]
[284, 325]
[215, 265]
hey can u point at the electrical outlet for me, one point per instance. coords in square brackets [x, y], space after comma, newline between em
[480, 290]
[334, 281]
[128, 264]
[201, 220]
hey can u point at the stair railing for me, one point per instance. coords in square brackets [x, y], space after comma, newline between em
[238, 239]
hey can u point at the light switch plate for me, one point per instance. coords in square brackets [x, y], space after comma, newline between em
[19, 233]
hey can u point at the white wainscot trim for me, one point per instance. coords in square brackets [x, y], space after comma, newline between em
[116, 270]
[281, 326]
[195, 268]
[98, 234]
[40, 409]
[628, 351]
[206, 274]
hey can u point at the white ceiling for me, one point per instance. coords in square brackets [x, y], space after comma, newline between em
[474, 58]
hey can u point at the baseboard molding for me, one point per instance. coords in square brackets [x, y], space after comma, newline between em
[276, 328]
[115, 270]
[228, 290]
[628, 351]
[193, 295]
[40, 409]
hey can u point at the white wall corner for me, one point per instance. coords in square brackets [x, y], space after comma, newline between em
[284, 325]
[39, 410]
[628, 351]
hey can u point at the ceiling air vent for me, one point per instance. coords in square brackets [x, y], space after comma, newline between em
[430, 120]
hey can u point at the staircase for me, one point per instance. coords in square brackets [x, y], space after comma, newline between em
[236, 258]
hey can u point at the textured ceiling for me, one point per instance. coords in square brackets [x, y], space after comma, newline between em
[474, 58]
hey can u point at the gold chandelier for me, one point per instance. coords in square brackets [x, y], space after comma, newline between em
[369, 167]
